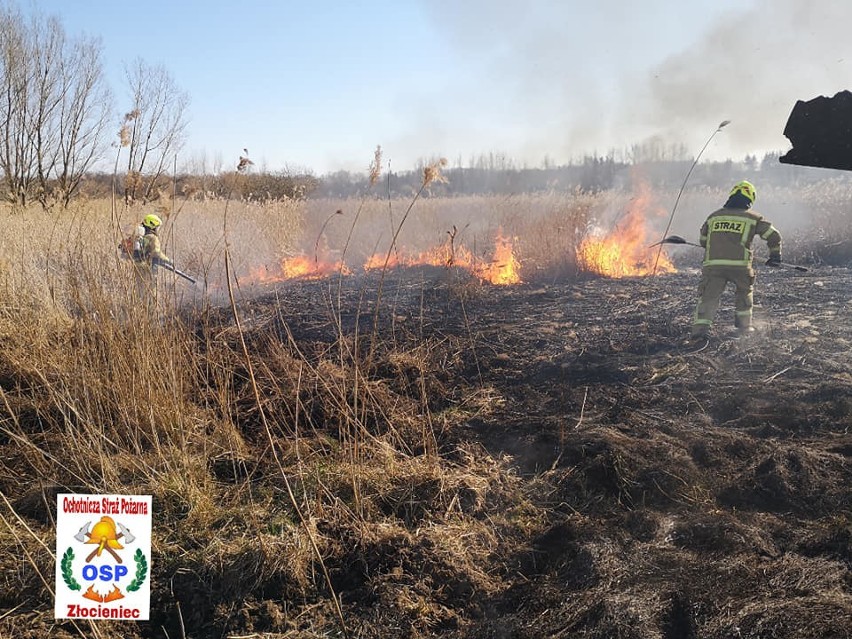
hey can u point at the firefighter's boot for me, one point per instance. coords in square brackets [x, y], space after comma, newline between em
[742, 322]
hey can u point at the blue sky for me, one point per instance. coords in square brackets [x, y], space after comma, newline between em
[317, 85]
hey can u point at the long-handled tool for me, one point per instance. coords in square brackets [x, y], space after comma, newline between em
[677, 239]
[674, 239]
[721, 126]
[795, 267]
[170, 267]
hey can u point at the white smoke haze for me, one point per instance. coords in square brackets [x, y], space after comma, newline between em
[751, 70]
[566, 79]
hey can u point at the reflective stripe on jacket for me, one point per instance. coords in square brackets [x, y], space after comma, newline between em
[727, 234]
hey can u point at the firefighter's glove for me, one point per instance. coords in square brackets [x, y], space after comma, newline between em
[774, 260]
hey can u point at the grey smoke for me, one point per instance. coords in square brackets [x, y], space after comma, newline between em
[752, 68]
[533, 85]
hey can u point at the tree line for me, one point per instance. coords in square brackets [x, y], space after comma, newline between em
[58, 129]
[496, 174]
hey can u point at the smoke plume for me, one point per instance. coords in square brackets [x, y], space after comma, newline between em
[563, 79]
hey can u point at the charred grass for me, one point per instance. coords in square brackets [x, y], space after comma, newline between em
[464, 460]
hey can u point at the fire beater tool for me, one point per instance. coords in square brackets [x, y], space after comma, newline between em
[674, 239]
[170, 267]
[677, 239]
[721, 126]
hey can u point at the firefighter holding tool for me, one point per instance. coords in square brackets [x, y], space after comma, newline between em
[144, 249]
[150, 255]
[726, 237]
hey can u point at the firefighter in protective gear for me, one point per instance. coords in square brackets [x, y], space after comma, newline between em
[726, 236]
[152, 252]
[150, 255]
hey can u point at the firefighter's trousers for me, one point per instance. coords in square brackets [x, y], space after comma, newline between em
[714, 279]
[145, 283]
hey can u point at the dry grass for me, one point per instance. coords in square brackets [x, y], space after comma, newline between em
[101, 394]
[547, 229]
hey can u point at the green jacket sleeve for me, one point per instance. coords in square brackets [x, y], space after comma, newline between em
[770, 235]
[153, 250]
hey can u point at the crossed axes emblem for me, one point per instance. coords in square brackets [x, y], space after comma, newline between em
[105, 534]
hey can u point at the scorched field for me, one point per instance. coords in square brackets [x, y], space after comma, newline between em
[423, 449]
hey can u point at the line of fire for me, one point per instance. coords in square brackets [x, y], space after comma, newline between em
[620, 249]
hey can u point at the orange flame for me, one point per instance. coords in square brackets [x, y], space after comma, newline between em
[298, 267]
[92, 594]
[624, 252]
[504, 267]
[438, 256]
[114, 594]
[377, 260]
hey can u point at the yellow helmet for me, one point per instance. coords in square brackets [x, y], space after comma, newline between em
[151, 222]
[746, 188]
[103, 534]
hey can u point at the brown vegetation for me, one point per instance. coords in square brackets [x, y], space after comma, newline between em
[461, 460]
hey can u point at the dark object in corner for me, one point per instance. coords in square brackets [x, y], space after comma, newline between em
[821, 133]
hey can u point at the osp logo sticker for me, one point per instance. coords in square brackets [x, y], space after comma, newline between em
[103, 557]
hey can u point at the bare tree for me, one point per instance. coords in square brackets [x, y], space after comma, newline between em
[17, 158]
[55, 107]
[84, 114]
[45, 45]
[155, 127]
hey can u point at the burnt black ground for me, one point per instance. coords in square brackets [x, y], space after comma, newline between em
[594, 476]
[688, 494]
